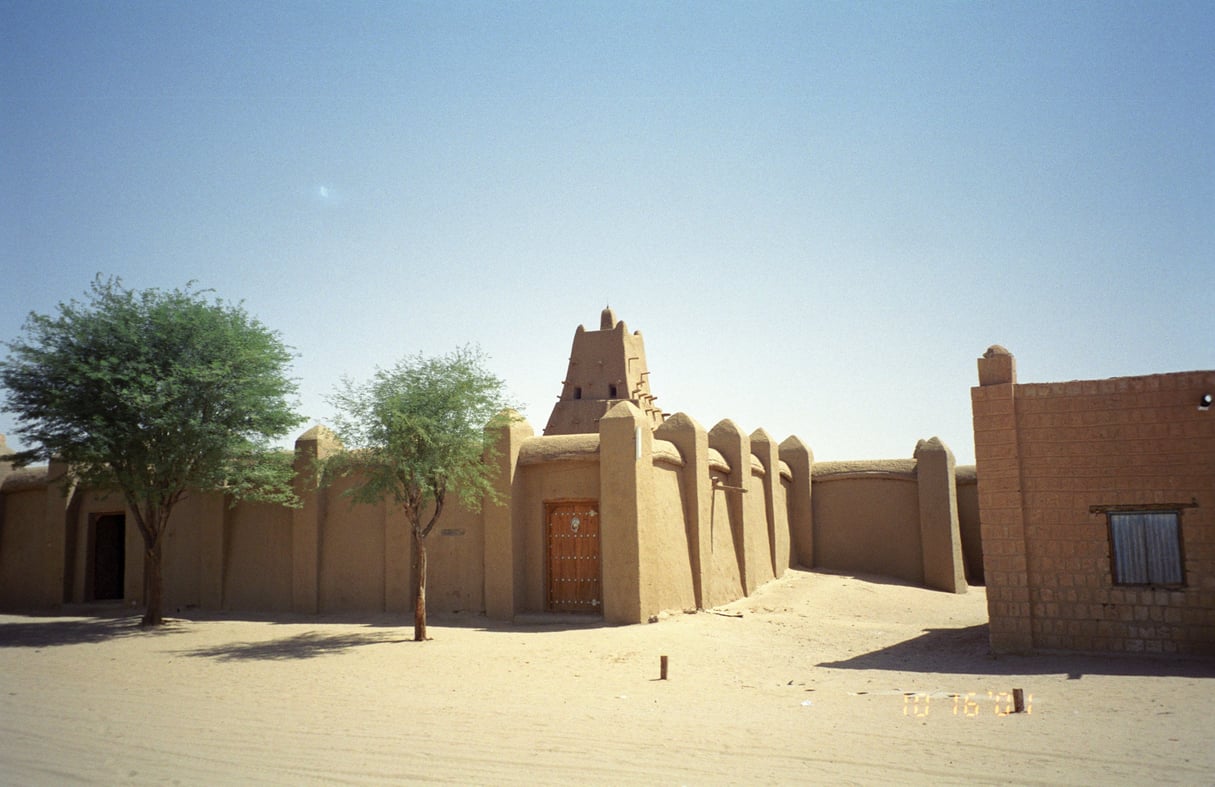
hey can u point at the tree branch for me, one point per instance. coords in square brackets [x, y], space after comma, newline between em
[439, 495]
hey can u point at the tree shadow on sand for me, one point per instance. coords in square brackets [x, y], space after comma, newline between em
[307, 645]
[965, 651]
[53, 632]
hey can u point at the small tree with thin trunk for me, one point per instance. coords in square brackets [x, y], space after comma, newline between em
[416, 433]
[156, 394]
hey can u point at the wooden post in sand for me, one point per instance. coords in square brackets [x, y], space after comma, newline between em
[663, 668]
[1018, 701]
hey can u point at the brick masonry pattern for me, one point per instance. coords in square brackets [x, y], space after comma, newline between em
[1046, 454]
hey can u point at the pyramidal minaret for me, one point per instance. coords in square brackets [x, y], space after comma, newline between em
[606, 366]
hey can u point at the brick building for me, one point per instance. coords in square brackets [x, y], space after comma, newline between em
[1097, 510]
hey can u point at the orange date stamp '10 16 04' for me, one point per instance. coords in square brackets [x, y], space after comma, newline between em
[920, 704]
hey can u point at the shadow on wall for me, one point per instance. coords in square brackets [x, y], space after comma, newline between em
[967, 651]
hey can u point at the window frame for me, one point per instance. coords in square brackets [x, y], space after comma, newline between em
[1112, 540]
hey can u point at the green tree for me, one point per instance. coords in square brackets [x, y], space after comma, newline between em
[155, 394]
[418, 433]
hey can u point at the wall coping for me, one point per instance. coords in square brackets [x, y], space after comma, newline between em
[25, 479]
[1118, 385]
[904, 469]
[666, 453]
[559, 448]
[717, 462]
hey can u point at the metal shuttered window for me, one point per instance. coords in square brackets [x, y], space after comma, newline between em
[1146, 548]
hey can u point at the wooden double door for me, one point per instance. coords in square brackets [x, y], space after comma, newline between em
[574, 577]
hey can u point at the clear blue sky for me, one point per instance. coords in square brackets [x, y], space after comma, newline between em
[818, 214]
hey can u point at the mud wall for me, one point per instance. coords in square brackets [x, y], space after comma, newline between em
[691, 518]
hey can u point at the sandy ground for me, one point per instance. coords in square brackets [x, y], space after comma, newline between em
[817, 678]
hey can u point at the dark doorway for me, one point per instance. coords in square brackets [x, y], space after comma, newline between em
[109, 556]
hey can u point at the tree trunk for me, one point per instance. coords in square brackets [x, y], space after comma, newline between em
[419, 610]
[153, 586]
